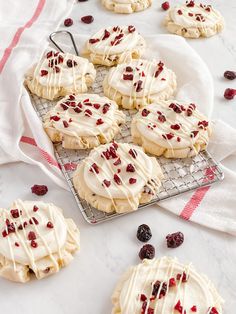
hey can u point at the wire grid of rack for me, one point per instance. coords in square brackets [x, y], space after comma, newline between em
[180, 175]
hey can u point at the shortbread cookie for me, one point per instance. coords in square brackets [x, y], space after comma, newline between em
[138, 83]
[194, 20]
[115, 45]
[59, 74]
[165, 286]
[117, 177]
[83, 121]
[35, 239]
[171, 129]
[126, 6]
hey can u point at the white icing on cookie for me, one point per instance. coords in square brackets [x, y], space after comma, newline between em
[140, 78]
[117, 170]
[162, 286]
[172, 124]
[30, 231]
[195, 15]
[84, 115]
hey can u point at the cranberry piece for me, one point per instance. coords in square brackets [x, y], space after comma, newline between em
[88, 19]
[194, 133]
[34, 244]
[190, 4]
[99, 121]
[24, 225]
[49, 54]
[178, 139]
[138, 86]
[131, 28]
[96, 106]
[15, 213]
[130, 168]
[106, 34]
[190, 14]
[161, 118]
[31, 235]
[168, 136]
[68, 22]
[147, 251]
[116, 28]
[50, 225]
[143, 297]
[77, 110]
[39, 189]
[57, 69]
[66, 124]
[105, 108]
[179, 12]
[214, 311]
[172, 282]
[183, 276]
[33, 220]
[160, 288]
[145, 112]
[17, 244]
[179, 308]
[230, 75]
[176, 108]
[94, 168]
[165, 5]
[144, 233]
[117, 162]
[132, 180]
[175, 239]
[117, 179]
[128, 77]
[94, 40]
[128, 69]
[71, 63]
[194, 308]
[133, 153]
[44, 72]
[175, 126]
[229, 93]
[203, 124]
[55, 118]
[112, 152]
[107, 183]
[35, 208]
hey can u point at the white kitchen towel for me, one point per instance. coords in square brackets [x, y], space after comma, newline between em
[22, 136]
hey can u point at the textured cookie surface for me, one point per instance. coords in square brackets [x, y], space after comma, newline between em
[172, 129]
[126, 6]
[113, 45]
[165, 286]
[194, 20]
[83, 121]
[138, 83]
[117, 177]
[35, 238]
[58, 74]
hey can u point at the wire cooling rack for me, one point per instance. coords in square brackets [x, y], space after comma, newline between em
[181, 175]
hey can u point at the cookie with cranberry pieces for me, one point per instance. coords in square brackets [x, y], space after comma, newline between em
[58, 74]
[83, 121]
[194, 20]
[117, 177]
[139, 83]
[128, 6]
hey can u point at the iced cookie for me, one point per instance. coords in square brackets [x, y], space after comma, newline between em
[35, 239]
[83, 121]
[126, 6]
[165, 286]
[171, 129]
[115, 45]
[194, 20]
[138, 83]
[58, 74]
[117, 177]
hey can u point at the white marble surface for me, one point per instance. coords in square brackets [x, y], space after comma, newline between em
[108, 249]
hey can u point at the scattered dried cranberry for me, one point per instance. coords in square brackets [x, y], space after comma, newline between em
[94, 40]
[138, 86]
[132, 180]
[128, 69]
[34, 244]
[130, 168]
[17, 244]
[175, 126]
[35, 208]
[117, 162]
[203, 124]
[175, 107]
[57, 69]
[66, 124]
[68, 22]
[15, 213]
[175, 239]
[128, 77]
[179, 308]
[144, 233]
[165, 5]
[94, 168]
[49, 54]
[107, 183]
[39, 189]
[182, 276]
[179, 12]
[88, 19]
[145, 112]
[194, 133]
[31, 235]
[33, 220]
[105, 108]
[161, 118]
[143, 297]
[106, 34]
[214, 311]
[71, 63]
[230, 75]
[147, 251]
[190, 4]
[194, 308]
[55, 118]
[131, 28]
[229, 93]
[43, 72]
[159, 286]
[172, 282]
[133, 153]
[50, 225]
[168, 136]
[99, 121]
[117, 179]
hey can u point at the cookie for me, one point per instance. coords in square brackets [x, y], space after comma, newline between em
[138, 83]
[194, 20]
[165, 286]
[126, 6]
[35, 239]
[117, 177]
[83, 121]
[114, 45]
[172, 129]
[58, 74]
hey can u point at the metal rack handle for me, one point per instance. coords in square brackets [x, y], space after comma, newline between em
[51, 38]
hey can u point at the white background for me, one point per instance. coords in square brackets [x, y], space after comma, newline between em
[108, 249]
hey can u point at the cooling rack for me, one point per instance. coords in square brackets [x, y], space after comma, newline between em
[181, 175]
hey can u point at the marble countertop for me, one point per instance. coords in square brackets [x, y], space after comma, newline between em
[108, 249]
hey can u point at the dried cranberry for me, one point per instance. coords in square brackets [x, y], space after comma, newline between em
[194, 308]
[31, 235]
[112, 152]
[107, 183]
[172, 282]
[49, 54]
[117, 179]
[33, 220]
[88, 19]
[161, 118]
[132, 180]
[190, 14]
[88, 113]
[50, 225]
[117, 162]
[60, 59]
[133, 153]
[194, 133]
[144, 233]
[145, 112]
[176, 108]
[66, 124]
[57, 69]
[159, 287]
[17, 244]
[106, 34]
[94, 168]
[128, 77]
[68, 22]
[35, 208]
[143, 297]
[130, 168]
[165, 5]
[34, 244]
[147, 251]
[230, 75]
[99, 121]
[39, 189]
[71, 63]
[15, 213]
[43, 72]
[214, 311]
[178, 139]
[128, 69]
[190, 4]
[168, 136]
[77, 110]
[138, 86]
[179, 12]
[96, 106]
[182, 276]
[105, 108]
[229, 93]
[131, 28]
[175, 239]
[160, 69]
[55, 118]
[175, 126]
[203, 124]
[179, 308]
